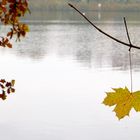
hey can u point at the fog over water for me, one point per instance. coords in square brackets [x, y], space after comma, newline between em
[62, 70]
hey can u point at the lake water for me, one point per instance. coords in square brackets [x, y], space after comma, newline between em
[62, 71]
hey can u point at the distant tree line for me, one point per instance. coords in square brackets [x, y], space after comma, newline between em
[127, 1]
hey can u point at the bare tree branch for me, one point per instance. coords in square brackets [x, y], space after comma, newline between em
[96, 27]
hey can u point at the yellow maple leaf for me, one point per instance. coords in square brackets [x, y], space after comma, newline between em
[123, 100]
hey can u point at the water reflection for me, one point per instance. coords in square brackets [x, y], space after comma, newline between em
[80, 42]
[56, 99]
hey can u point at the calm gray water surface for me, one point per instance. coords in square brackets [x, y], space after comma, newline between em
[62, 72]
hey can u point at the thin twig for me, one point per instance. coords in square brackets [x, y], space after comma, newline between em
[96, 27]
[127, 33]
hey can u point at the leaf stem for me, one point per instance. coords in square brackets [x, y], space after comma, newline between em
[131, 72]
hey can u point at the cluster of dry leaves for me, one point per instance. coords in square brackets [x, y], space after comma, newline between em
[6, 88]
[10, 13]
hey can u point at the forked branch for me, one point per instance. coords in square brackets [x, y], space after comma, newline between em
[130, 45]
